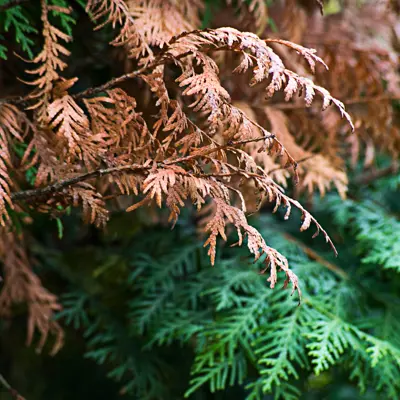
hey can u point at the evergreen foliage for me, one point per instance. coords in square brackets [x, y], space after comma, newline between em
[173, 118]
[167, 311]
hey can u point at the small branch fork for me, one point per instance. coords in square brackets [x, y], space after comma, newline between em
[11, 4]
[13, 392]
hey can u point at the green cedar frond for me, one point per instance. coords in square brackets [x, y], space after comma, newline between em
[15, 18]
[280, 348]
[375, 230]
[329, 340]
[221, 373]
[237, 330]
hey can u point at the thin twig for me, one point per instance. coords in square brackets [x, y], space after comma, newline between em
[13, 392]
[113, 82]
[297, 162]
[11, 4]
[372, 176]
[355, 100]
[315, 256]
[56, 187]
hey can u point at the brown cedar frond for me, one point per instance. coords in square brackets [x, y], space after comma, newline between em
[21, 285]
[49, 60]
[316, 172]
[146, 23]
[308, 54]
[226, 213]
[72, 128]
[116, 12]
[358, 49]
[159, 20]
[11, 130]
[263, 159]
[274, 194]
[265, 64]
[93, 205]
[124, 136]
[197, 147]
[45, 149]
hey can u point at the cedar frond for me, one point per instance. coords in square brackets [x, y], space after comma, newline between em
[11, 130]
[93, 206]
[50, 62]
[45, 149]
[116, 12]
[121, 134]
[72, 128]
[21, 285]
[225, 213]
[145, 23]
[265, 64]
[201, 147]
[316, 171]
[356, 53]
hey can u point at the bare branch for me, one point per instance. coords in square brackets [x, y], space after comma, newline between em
[13, 392]
[372, 176]
[56, 187]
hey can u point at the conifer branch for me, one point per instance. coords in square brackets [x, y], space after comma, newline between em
[56, 187]
[11, 4]
[111, 83]
[13, 392]
[372, 176]
[355, 100]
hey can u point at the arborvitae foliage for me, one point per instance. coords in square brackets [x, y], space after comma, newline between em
[143, 104]
[167, 326]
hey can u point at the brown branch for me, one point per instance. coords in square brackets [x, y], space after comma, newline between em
[13, 392]
[11, 4]
[56, 187]
[372, 176]
[315, 256]
[355, 100]
[23, 100]
[217, 148]
[113, 82]
[297, 163]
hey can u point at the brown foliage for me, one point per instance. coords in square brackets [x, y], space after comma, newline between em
[215, 141]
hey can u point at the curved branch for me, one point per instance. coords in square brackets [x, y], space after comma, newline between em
[13, 392]
[56, 187]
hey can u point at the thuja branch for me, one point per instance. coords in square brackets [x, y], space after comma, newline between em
[372, 176]
[56, 187]
[13, 392]
[111, 83]
[315, 256]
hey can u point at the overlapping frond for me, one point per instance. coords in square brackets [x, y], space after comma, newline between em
[11, 131]
[49, 60]
[177, 136]
[144, 24]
